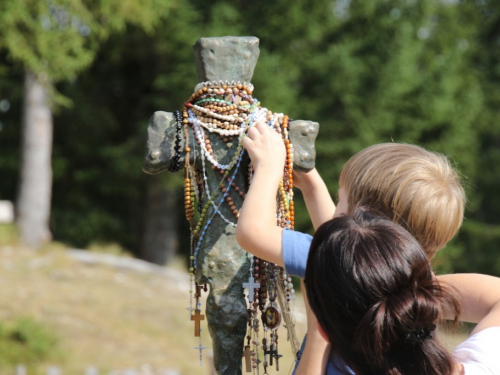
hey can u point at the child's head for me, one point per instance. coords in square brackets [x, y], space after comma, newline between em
[371, 287]
[416, 188]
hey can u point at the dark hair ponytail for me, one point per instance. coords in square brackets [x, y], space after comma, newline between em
[372, 290]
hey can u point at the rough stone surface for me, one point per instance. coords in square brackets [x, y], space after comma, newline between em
[221, 262]
[159, 142]
[302, 134]
[228, 58]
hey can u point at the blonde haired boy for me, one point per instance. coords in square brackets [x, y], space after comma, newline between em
[414, 187]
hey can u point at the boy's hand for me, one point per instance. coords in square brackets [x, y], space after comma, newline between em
[265, 148]
[302, 180]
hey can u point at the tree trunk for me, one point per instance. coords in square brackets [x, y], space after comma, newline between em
[35, 188]
[160, 241]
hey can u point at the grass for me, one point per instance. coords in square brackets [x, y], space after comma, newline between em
[27, 341]
[107, 318]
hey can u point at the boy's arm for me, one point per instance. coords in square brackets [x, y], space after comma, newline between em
[318, 201]
[257, 231]
[479, 297]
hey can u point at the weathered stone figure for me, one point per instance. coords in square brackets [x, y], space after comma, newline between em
[221, 262]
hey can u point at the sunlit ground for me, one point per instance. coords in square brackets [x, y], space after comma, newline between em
[109, 318]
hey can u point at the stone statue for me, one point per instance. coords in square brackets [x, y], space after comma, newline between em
[222, 264]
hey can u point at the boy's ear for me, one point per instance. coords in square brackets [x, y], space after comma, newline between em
[323, 333]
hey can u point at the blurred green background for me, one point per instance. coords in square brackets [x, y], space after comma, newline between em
[424, 72]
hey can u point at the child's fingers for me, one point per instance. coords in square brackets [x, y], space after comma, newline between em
[262, 127]
[261, 137]
[257, 131]
[247, 142]
[252, 133]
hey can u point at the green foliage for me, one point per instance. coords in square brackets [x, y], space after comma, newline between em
[27, 341]
[31, 29]
[11, 92]
[481, 242]
[405, 80]
[446, 260]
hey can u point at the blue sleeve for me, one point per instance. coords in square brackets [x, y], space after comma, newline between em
[295, 246]
[299, 354]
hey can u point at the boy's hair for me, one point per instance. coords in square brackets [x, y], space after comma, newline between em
[415, 188]
[371, 287]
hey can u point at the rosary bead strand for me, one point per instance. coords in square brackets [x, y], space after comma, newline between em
[229, 110]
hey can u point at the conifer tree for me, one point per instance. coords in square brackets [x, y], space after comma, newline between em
[53, 41]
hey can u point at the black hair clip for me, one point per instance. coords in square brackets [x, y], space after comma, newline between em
[421, 333]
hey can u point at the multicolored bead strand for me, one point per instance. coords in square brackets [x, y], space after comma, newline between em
[227, 110]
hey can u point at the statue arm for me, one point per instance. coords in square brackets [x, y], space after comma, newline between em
[160, 142]
[318, 201]
[257, 231]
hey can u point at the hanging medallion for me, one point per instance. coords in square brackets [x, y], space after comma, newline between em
[271, 317]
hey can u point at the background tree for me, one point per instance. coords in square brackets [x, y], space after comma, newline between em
[55, 40]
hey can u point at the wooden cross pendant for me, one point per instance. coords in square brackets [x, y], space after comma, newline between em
[197, 317]
[247, 353]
